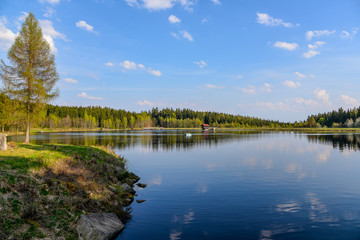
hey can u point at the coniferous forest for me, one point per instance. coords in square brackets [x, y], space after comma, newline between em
[108, 118]
[349, 118]
[95, 117]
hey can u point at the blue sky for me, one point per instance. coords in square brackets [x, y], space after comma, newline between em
[270, 59]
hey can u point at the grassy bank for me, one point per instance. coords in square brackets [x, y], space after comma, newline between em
[45, 188]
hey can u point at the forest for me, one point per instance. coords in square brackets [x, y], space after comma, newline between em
[93, 117]
[349, 118]
[96, 117]
[108, 118]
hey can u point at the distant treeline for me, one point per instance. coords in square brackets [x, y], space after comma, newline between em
[341, 118]
[107, 118]
[104, 117]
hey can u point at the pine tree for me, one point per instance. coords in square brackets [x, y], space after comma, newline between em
[32, 75]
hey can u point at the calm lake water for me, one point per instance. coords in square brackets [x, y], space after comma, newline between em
[237, 184]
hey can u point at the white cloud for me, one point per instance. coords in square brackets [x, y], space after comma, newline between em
[84, 95]
[21, 18]
[145, 103]
[204, 20]
[70, 80]
[239, 76]
[128, 65]
[154, 72]
[133, 66]
[174, 19]
[264, 18]
[349, 35]
[316, 45]
[304, 101]
[183, 34]
[322, 95]
[7, 36]
[249, 90]
[201, 63]
[310, 54]
[50, 33]
[286, 45]
[175, 35]
[187, 36]
[300, 75]
[312, 75]
[318, 33]
[109, 64]
[53, 2]
[49, 12]
[216, 2]
[311, 49]
[349, 100]
[84, 25]
[48, 29]
[187, 4]
[345, 34]
[132, 3]
[266, 88]
[355, 30]
[273, 106]
[291, 84]
[213, 86]
[157, 4]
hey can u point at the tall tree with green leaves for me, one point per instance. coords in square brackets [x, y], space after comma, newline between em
[32, 75]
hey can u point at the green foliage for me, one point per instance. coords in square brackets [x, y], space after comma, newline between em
[339, 118]
[107, 118]
[31, 77]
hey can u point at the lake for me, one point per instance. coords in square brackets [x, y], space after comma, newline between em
[236, 184]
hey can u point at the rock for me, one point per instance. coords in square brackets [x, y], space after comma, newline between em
[142, 185]
[127, 201]
[134, 178]
[3, 145]
[127, 188]
[114, 189]
[140, 201]
[121, 174]
[98, 226]
[119, 169]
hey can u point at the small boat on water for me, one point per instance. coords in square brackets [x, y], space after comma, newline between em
[187, 134]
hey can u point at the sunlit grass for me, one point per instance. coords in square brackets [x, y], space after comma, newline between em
[45, 188]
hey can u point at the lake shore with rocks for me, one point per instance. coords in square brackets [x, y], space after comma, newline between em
[63, 192]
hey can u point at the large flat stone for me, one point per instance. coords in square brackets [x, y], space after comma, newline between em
[99, 226]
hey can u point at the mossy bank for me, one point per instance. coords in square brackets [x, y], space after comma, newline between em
[45, 188]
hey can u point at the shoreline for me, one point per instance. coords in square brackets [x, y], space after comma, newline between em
[45, 189]
[66, 130]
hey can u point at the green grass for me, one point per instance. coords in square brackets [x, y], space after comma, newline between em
[45, 188]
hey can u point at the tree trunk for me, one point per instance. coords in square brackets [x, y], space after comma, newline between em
[27, 135]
